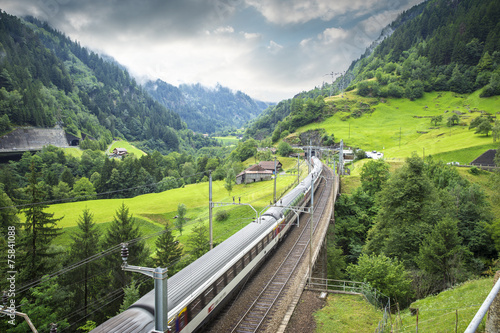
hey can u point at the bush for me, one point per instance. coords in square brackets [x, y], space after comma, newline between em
[384, 274]
[284, 149]
[474, 170]
[414, 89]
[221, 215]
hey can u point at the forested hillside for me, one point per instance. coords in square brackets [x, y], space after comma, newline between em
[207, 110]
[439, 45]
[47, 79]
[450, 46]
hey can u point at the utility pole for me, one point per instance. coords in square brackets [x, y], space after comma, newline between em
[275, 176]
[298, 168]
[210, 205]
[161, 289]
[341, 158]
[10, 311]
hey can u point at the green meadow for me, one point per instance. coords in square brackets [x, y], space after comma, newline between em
[153, 211]
[398, 127]
[227, 140]
[124, 144]
[73, 151]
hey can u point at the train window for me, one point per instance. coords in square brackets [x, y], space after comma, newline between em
[240, 266]
[246, 259]
[195, 307]
[253, 252]
[230, 274]
[209, 294]
[220, 284]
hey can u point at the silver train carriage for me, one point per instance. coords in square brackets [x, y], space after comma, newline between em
[196, 292]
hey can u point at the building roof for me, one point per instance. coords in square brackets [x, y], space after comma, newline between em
[256, 167]
[269, 165]
[487, 158]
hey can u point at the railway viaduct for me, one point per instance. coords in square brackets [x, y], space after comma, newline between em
[319, 244]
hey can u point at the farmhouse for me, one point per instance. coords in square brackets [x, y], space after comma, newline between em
[119, 152]
[255, 173]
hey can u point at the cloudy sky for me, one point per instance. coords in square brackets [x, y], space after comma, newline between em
[269, 49]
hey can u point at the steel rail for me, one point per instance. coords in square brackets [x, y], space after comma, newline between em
[258, 311]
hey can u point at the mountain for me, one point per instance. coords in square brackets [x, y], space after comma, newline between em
[47, 79]
[438, 45]
[206, 110]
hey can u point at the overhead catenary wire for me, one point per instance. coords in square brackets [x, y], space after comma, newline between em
[116, 294]
[99, 255]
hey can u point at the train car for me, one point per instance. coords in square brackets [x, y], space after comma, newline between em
[197, 292]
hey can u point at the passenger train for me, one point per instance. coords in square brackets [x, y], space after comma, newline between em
[199, 290]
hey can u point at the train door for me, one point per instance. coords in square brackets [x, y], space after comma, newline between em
[181, 320]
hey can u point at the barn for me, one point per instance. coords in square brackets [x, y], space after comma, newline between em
[255, 173]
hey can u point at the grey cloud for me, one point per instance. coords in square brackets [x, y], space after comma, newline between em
[149, 19]
[273, 53]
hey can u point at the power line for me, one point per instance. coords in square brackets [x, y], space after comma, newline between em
[99, 255]
[55, 201]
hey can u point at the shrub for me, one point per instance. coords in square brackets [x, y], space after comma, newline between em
[221, 215]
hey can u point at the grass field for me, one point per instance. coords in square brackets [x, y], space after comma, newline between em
[393, 127]
[227, 140]
[73, 151]
[154, 210]
[124, 144]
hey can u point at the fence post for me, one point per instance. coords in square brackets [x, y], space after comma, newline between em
[417, 322]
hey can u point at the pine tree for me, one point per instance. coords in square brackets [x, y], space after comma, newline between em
[123, 229]
[84, 245]
[39, 230]
[168, 250]
[441, 253]
[131, 295]
[199, 240]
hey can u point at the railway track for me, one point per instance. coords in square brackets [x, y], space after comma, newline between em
[255, 317]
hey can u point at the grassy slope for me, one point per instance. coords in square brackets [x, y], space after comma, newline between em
[227, 140]
[347, 313]
[153, 210]
[124, 144]
[437, 313]
[73, 151]
[380, 130]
